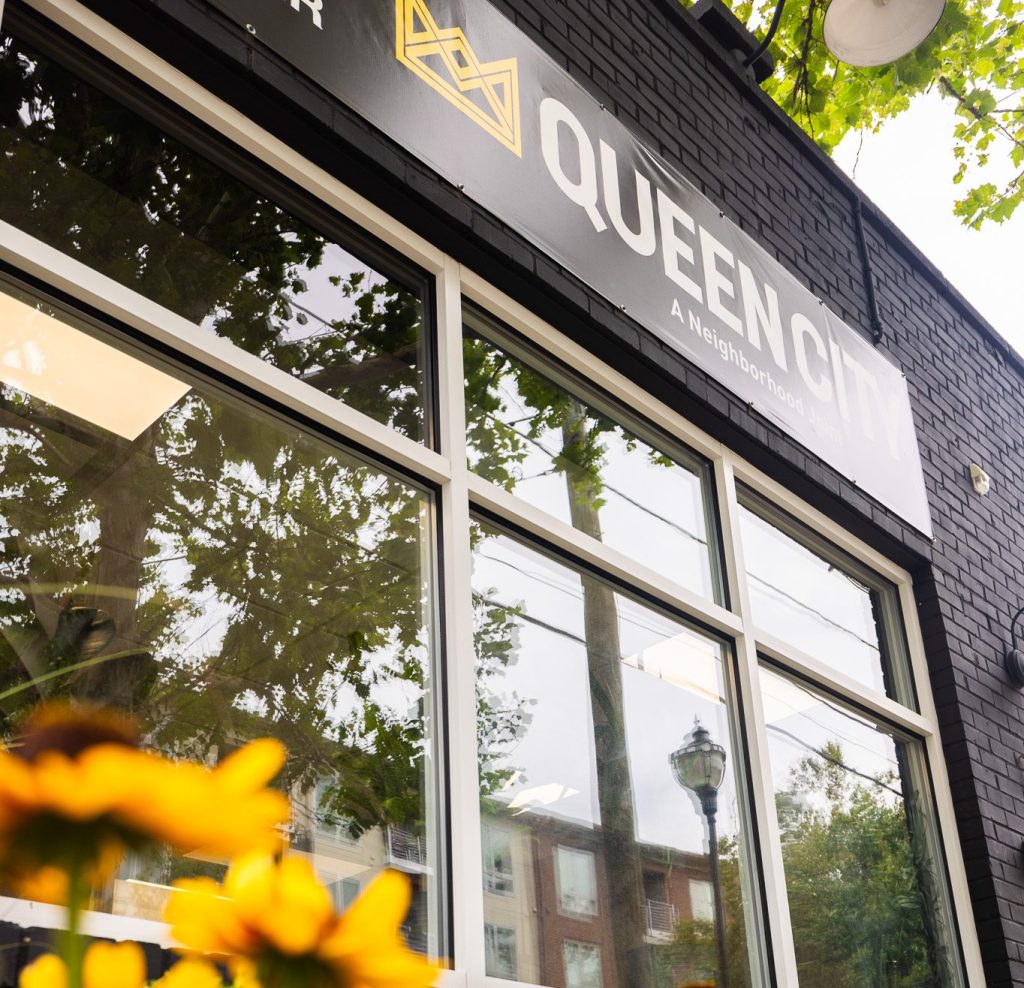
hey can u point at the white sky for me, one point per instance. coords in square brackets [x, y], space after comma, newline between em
[907, 170]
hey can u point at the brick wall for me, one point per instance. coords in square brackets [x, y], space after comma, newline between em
[667, 80]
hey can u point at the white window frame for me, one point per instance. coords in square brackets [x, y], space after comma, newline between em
[460, 491]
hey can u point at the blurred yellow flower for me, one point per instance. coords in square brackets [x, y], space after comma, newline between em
[107, 965]
[75, 790]
[274, 923]
[190, 973]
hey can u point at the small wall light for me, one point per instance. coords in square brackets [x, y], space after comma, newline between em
[1014, 658]
[980, 480]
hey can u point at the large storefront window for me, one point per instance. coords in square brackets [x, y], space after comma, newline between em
[661, 729]
[222, 576]
[583, 696]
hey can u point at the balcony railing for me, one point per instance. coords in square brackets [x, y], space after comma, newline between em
[406, 847]
[661, 919]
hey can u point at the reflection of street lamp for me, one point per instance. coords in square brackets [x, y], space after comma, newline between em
[699, 765]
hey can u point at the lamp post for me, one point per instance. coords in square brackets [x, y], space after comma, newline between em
[699, 766]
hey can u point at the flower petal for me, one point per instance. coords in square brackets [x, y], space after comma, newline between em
[114, 965]
[47, 971]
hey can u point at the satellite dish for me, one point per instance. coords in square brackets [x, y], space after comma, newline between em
[876, 32]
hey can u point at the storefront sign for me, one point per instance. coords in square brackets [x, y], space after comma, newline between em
[461, 87]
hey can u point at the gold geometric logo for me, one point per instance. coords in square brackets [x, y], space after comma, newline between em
[427, 49]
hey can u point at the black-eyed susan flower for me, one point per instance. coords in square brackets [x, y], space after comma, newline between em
[76, 790]
[273, 923]
[107, 965]
[117, 965]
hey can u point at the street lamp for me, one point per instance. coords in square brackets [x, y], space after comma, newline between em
[699, 766]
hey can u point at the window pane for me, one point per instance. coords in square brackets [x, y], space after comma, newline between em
[867, 893]
[823, 608]
[250, 580]
[88, 176]
[500, 951]
[553, 449]
[583, 694]
[582, 964]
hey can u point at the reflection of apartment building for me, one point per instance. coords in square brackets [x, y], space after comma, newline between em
[344, 860]
[547, 904]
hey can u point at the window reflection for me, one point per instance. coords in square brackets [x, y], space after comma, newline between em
[819, 605]
[86, 175]
[223, 576]
[531, 436]
[866, 895]
[582, 696]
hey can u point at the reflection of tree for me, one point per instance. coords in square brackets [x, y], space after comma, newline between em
[251, 580]
[861, 888]
[692, 955]
[579, 455]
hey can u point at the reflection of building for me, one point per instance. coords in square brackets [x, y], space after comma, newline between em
[546, 904]
[344, 861]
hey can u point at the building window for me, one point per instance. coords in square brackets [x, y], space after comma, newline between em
[582, 964]
[541, 437]
[100, 182]
[821, 602]
[246, 577]
[702, 901]
[865, 892]
[577, 881]
[500, 948]
[498, 876]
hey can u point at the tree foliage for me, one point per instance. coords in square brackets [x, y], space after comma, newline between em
[974, 59]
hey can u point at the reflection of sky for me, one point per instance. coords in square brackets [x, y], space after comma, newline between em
[809, 603]
[670, 675]
[801, 723]
[652, 511]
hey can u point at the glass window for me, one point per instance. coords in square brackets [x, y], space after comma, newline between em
[222, 575]
[575, 460]
[500, 951]
[867, 893]
[702, 901]
[498, 875]
[85, 174]
[582, 964]
[807, 593]
[583, 696]
[577, 881]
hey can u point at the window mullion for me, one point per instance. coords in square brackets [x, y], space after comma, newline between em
[752, 725]
[464, 809]
[945, 813]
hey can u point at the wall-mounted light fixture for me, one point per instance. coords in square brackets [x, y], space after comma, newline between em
[980, 480]
[1014, 658]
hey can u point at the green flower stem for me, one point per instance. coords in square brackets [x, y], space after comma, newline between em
[73, 942]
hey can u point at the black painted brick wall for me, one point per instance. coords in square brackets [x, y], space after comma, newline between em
[668, 81]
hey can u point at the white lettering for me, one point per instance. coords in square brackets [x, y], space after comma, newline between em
[584, 193]
[643, 241]
[315, 9]
[868, 395]
[803, 328]
[672, 247]
[761, 316]
[715, 283]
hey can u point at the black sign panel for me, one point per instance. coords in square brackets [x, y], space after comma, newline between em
[461, 87]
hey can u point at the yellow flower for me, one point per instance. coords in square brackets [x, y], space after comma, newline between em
[274, 922]
[75, 790]
[107, 965]
[190, 973]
